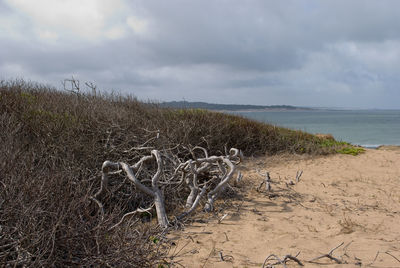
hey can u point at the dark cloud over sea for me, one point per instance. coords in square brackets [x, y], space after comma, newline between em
[308, 53]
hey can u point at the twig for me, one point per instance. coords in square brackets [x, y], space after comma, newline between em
[276, 258]
[386, 252]
[298, 175]
[139, 210]
[174, 255]
[376, 256]
[259, 186]
[209, 255]
[267, 182]
[239, 177]
[226, 237]
[225, 257]
[329, 256]
[221, 257]
[100, 205]
[222, 218]
[284, 260]
[293, 259]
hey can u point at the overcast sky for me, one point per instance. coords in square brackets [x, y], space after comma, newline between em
[306, 53]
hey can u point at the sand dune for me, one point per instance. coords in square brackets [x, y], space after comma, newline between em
[354, 200]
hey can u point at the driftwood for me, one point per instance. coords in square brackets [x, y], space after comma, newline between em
[222, 169]
[216, 172]
[154, 191]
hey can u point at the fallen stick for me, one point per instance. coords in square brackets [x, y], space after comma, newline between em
[329, 256]
[276, 258]
[222, 218]
[283, 261]
[298, 175]
[386, 252]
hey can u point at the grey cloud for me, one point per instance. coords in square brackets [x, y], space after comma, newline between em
[316, 53]
[264, 35]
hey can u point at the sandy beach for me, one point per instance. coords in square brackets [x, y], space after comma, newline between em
[341, 200]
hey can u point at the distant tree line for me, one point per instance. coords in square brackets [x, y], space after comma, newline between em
[227, 107]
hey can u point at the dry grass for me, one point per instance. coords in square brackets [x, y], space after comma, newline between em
[52, 146]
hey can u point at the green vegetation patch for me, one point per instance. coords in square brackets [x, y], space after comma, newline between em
[353, 150]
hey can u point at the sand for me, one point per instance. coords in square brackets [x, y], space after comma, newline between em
[354, 200]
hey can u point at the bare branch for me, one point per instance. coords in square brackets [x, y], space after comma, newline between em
[200, 148]
[194, 205]
[283, 261]
[276, 258]
[139, 210]
[134, 180]
[212, 195]
[329, 255]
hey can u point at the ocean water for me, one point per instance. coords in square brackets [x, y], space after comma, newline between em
[369, 128]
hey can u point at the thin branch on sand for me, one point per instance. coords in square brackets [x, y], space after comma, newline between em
[329, 256]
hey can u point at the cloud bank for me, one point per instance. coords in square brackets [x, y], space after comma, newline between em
[308, 53]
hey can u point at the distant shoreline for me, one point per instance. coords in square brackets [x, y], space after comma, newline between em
[268, 110]
[386, 147]
[230, 107]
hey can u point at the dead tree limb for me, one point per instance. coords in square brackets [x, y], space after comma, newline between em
[224, 166]
[194, 205]
[212, 195]
[154, 191]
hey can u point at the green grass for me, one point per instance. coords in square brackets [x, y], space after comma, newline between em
[341, 147]
[351, 150]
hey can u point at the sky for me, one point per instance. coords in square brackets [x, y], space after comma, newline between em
[333, 53]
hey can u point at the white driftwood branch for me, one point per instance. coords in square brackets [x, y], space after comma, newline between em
[154, 191]
[211, 168]
[194, 205]
[222, 168]
[158, 197]
[212, 195]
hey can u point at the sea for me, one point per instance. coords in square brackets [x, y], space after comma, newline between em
[367, 128]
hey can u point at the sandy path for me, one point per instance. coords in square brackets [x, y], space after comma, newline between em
[340, 198]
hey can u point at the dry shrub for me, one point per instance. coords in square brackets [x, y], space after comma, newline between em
[52, 147]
